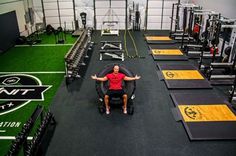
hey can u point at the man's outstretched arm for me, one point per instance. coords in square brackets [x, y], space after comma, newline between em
[94, 77]
[126, 78]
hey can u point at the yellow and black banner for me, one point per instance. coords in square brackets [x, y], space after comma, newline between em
[158, 38]
[166, 52]
[206, 113]
[182, 75]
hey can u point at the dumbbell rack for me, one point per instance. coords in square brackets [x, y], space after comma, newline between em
[32, 147]
[74, 58]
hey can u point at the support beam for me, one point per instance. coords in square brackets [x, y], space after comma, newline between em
[177, 17]
[59, 15]
[126, 14]
[94, 17]
[146, 16]
[44, 17]
[75, 21]
[162, 12]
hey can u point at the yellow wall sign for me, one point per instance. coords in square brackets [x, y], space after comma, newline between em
[206, 113]
[158, 38]
[182, 75]
[166, 52]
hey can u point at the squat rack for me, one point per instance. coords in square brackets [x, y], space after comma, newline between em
[176, 7]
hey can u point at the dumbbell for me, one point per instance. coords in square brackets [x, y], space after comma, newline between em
[43, 122]
[10, 153]
[40, 129]
[34, 142]
[21, 136]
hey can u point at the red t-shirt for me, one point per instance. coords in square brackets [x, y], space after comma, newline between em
[115, 80]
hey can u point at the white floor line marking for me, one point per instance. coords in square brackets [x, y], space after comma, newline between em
[12, 138]
[2, 131]
[44, 45]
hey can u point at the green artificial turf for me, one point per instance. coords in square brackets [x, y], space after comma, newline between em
[32, 59]
[22, 114]
[29, 59]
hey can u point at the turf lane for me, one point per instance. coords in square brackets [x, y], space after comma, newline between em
[26, 59]
[31, 59]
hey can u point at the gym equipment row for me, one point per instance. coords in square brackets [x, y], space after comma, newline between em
[182, 29]
[32, 147]
[217, 65]
[209, 33]
[205, 116]
[153, 39]
[74, 58]
[167, 53]
[163, 48]
[112, 49]
[33, 38]
[222, 72]
[59, 34]
[183, 77]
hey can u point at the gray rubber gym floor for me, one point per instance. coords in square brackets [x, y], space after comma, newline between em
[151, 131]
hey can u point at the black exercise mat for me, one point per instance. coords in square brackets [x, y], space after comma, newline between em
[170, 46]
[184, 84]
[211, 130]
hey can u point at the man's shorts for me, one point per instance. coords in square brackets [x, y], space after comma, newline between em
[115, 93]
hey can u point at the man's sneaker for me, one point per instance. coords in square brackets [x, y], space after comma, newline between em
[107, 111]
[125, 110]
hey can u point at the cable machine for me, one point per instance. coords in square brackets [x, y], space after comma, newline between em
[110, 23]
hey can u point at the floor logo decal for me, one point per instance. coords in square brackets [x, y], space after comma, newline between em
[17, 90]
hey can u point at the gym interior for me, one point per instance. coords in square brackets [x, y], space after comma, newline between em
[183, 104]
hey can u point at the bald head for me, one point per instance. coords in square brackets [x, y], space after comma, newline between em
[116, 69]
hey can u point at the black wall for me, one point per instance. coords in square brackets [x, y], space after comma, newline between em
[9, 30]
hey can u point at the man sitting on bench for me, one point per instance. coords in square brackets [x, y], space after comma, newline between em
[115, 88]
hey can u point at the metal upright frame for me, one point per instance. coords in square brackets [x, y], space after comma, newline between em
[126, 14]
[162, 12]
[44, 18]
[94, 18]
[75, 21]
[176, 20]
[59, 14]
[146, 16]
